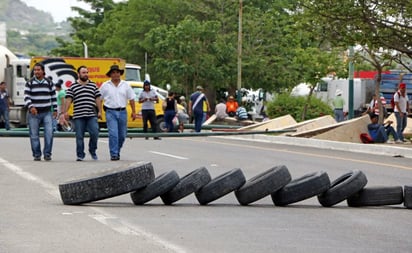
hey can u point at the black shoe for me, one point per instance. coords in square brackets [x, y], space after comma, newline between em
[157, 138]
[37, 158]
[94, 156]
[47, 158]
[115, 158]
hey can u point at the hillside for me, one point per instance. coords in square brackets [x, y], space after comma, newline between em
[18, 15]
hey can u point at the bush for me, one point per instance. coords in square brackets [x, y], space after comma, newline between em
[285, 104]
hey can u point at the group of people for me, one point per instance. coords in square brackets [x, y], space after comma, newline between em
[41, 100]
[230, 109]
[380, 132]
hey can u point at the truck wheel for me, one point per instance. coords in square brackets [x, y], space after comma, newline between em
[188, 184]
[220, 186]
[263, 184]
[407, 196]
[342, 188]
[107, 184]
[302, 188]
[162, 184]
[377, 196]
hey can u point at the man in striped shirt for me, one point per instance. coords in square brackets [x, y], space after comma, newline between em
[86, 98]
[40, 99]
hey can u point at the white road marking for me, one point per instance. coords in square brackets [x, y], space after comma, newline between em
[130, 229]
[110, 221]
[169, 155]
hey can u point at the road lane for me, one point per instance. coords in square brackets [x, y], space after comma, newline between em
[224, 226]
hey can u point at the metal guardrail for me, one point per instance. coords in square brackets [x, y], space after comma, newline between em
[132, 133]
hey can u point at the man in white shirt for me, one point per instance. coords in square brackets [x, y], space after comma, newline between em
[116, 93]
[401, 110]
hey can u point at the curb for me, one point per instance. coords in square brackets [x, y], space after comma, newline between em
[376, 149]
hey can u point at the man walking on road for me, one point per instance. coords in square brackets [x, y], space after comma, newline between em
[86, 98]
[196, 107]
[115, 94]
[40, 99]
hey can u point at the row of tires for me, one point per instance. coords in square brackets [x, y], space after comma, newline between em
[139, 180]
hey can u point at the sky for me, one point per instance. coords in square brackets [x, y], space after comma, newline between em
[59, 9]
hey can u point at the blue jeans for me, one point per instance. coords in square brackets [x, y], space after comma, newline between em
[117, 127]
[169, 115]
[5, 114]
[338, 115]
[400, 124]
[198, 116]
[35, 121]
[81, 125]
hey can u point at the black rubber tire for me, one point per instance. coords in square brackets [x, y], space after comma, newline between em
[263, 184]
[407, 196]
[188, 184]
[302, 188]
[342, 188]
[162, 184]
[106, 184]
[377, 196]
[220, 186]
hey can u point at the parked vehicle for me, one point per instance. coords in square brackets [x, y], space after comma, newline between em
[363, 90]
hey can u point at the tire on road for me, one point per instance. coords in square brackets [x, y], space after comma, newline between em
[263, 184]
[377, 196]
[220, 186]
[106, 184]
[302, 188]
[162, 184]
[342, 188]
[407, 196]
[188, 184]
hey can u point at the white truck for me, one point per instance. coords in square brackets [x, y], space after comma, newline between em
[15, 72]
[363, 89]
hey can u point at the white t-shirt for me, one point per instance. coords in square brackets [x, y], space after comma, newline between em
[116, 96]
[402, 102]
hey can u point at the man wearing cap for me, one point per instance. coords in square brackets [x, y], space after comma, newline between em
[196, 107]
[115, 93]
[338, 104]
[148, 98]
[401, 110]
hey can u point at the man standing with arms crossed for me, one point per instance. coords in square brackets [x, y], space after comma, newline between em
[40, 99]
[86, 98]
[115, 94]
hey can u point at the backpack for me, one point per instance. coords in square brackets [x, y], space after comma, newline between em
[393, 99]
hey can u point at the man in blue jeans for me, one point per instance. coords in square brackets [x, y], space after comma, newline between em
[379, 132]
[401, 110]
[40, 99]
[86, 99]
[116, 93]
[196, 107]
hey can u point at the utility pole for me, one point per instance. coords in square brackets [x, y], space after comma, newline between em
[351, 70]
[239, 54]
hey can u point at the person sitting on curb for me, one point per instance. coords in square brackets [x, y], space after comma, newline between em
[381, 132]
[241, 113]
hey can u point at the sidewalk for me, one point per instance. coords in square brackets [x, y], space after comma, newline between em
[401, 150]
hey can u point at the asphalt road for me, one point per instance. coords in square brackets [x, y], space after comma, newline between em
[33, 218]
